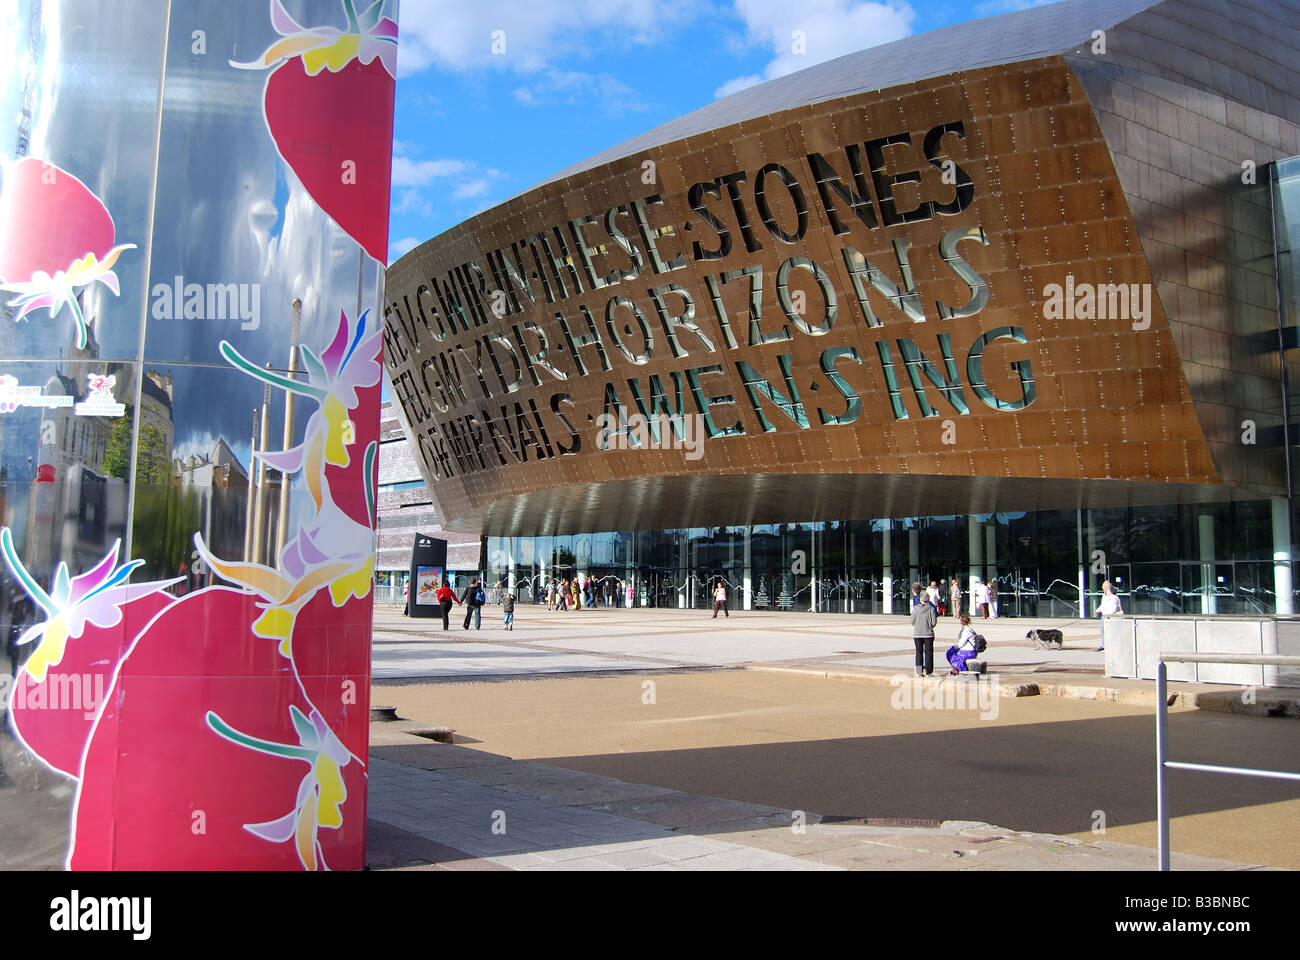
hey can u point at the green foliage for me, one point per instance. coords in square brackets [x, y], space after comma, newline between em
[117, 454]
[166, 517]
[166, 514]
[155, 461]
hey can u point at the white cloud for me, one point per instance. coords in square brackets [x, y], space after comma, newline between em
[601, 90]
[412, 200]
[418, 173]
[737, 84]
[532, 33]
[401, 247]
[466, 182]
[470, 188]
[814, 31]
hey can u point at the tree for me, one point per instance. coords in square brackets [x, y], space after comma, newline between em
[166, 514]
[154, 464]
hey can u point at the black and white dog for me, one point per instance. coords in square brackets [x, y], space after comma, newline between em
[1045, 638]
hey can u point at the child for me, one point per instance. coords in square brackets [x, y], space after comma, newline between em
[508, 608]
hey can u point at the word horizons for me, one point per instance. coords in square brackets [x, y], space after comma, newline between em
[455, 379]
[652, 433]
[82, 692]
[212, 301]
[75, 913]
[912, 693]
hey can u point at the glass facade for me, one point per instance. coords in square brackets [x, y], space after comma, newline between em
[1170, 560]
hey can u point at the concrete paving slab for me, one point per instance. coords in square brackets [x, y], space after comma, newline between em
[580, 807]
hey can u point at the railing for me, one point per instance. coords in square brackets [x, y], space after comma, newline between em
[1162, 736]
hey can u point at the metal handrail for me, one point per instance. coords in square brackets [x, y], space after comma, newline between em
[1162, 737]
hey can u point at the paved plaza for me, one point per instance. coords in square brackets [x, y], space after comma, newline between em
[666, 740]
[621, 639]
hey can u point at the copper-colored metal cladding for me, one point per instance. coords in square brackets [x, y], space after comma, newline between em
[978, 195]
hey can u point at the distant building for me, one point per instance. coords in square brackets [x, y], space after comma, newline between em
[221, 483]
[406, 507]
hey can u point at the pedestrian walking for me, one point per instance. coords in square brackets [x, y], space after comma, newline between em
[955, 598]
[474, 600]
[924, 617]
[1109, 607]
[720, 600]
[445, 597]
[993, 599]
[628, 591]
[508, 609]
[982, 598]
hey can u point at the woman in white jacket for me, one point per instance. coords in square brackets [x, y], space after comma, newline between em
[965, 648]
[1108, 607]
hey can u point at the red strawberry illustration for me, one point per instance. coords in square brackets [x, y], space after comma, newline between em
[208, 755]
[88, 622]
[329, 108]
[55, 238]
[53, 717]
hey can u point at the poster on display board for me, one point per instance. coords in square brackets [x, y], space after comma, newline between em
[427, 580]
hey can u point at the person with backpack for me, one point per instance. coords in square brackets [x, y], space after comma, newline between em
[968, 645]
[474, 599]
[508, 608]
[924, 617]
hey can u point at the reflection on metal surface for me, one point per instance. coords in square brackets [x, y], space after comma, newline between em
[138, 434]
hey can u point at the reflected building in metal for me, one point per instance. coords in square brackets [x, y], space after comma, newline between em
[1009, 301]
[189, 395]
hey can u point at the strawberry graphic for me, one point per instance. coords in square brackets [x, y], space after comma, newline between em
[55, 238]
[328, 104]
[73, 652]
[207, 754]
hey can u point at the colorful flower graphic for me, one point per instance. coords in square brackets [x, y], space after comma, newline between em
[329, 88]
[94, 597]
[321, 794]
[350, 363]
[55, 238]
[333, 552]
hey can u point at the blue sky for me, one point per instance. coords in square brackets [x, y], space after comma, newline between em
[483, 115]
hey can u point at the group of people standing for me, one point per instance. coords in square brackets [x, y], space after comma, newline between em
[925, 616]
[985, 595]
[574, 594]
